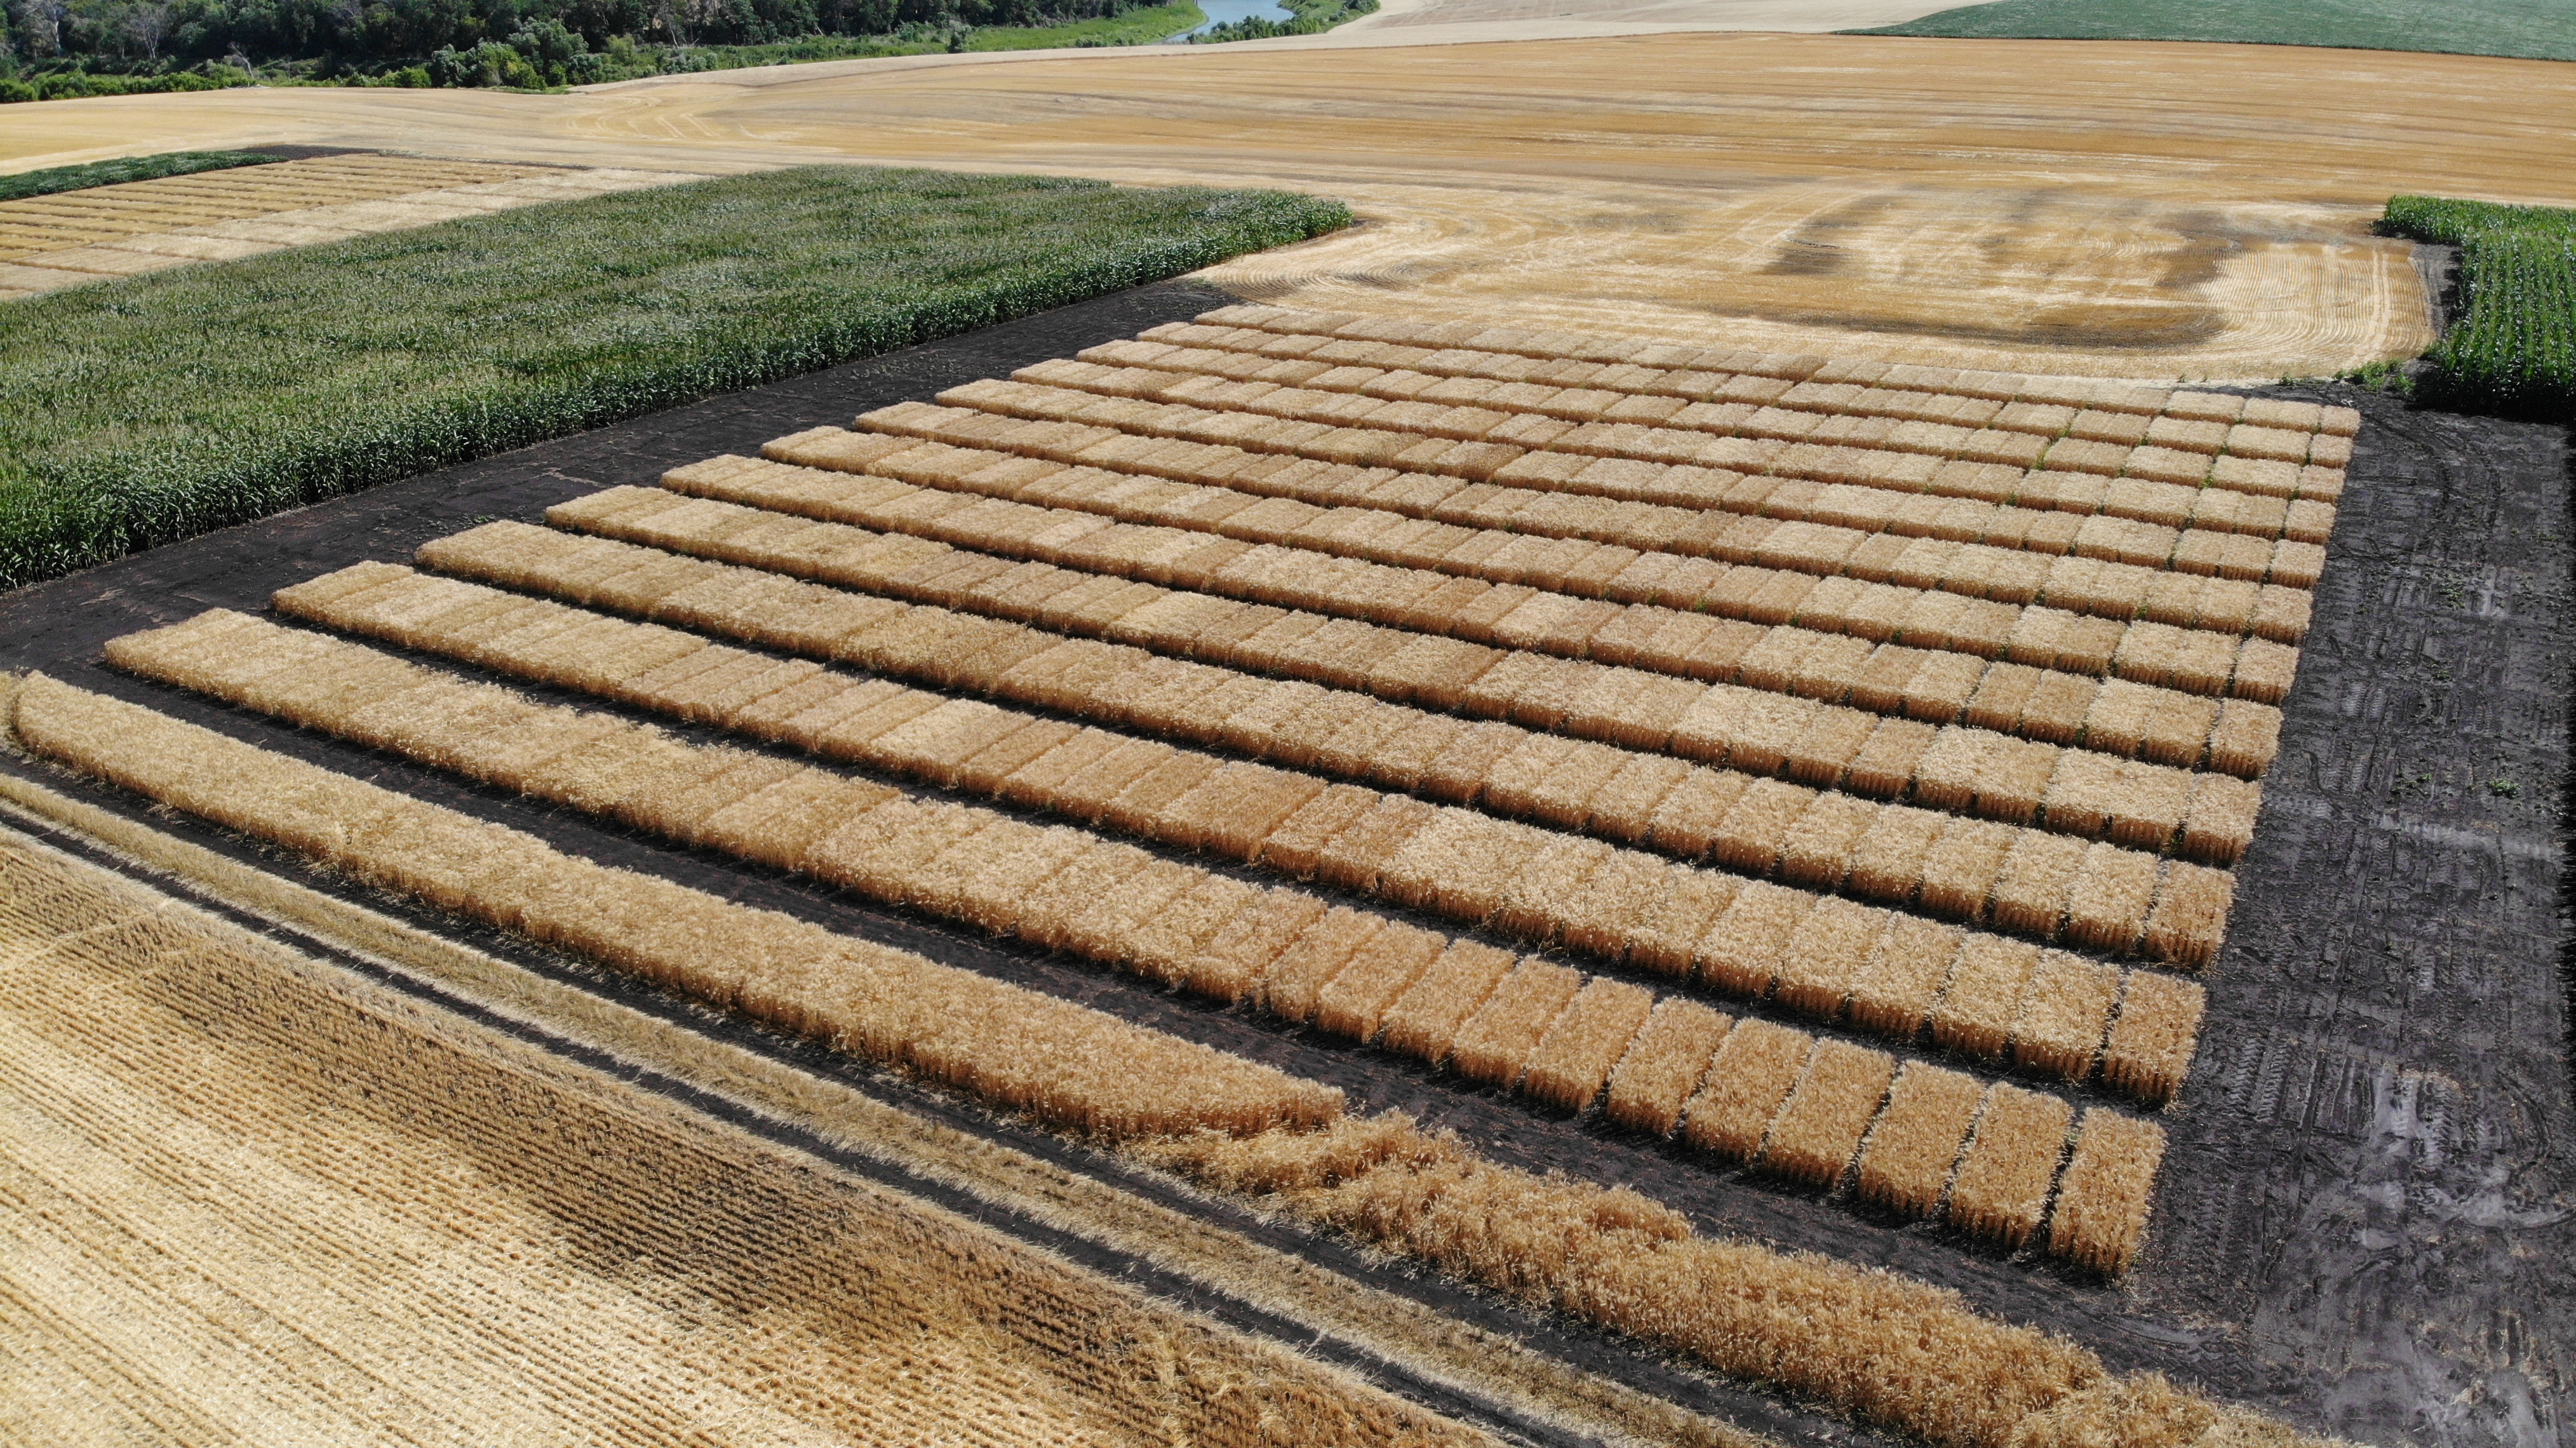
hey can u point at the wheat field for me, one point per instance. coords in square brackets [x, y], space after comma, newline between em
[77, 237]
[1833, 768]
[1964, 777]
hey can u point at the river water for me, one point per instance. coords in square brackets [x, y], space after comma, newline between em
[1220, 12]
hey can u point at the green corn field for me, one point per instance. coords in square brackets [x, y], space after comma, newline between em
[2512, 349]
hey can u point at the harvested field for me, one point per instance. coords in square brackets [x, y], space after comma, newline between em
[2148, 211]
[456, 1243]
[128, 228]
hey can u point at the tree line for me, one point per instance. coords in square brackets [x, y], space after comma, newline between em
[455, 42]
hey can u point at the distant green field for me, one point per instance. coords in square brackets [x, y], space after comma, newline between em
[150, 408]
[2530, 29]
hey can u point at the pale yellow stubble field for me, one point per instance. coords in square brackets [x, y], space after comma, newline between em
[2141, 210]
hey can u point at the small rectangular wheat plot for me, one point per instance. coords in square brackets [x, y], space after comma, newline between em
[2108, 1192]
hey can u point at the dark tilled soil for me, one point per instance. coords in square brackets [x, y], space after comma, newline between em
[2361, 1216]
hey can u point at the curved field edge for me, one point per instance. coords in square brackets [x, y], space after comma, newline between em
[144, 410]
[2522, 29]
[2511, 347]
[1868, 1344]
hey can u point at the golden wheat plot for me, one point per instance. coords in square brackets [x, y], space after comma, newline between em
[1538, 1025]
[2209, 815]
[1089, 1070]
[1545, 592]
[1359, 839]
[259, 1199]
[1903, 698]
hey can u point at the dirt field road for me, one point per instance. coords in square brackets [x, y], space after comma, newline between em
[2140, 210]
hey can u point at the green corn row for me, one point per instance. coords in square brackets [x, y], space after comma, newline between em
[2512, 349]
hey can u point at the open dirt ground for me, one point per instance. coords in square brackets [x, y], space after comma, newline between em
[2134, 210]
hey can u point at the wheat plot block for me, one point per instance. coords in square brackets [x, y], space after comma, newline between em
[2107, 906]
[2150, 1046]
[1757, 828]
[2065, 1010]
[1819, 1130]
[1741, 952]
[1961, 866]
[1573, 1061]
[2190, 914]
[1895, 992]
[1424, 1022]
[1233, 964]
[2108, 1192]
[1664, 1065]
[1667, 936]
[1495, 1044]
[1820, 846]
[1825, 954]
[1976, 1011]
[2003, 1178]
[1752, 1073]
[1297, 978]
[2038, 874]
[1167, 944]
[1354, 1003]
[1906, 1164]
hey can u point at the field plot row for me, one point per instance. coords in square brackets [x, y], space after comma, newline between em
[2111, 414]
[1455, 636]
[1097, 1073]
[1815, 954]
[176, 203]
[1802, 1108]
[1878, 1348]
[2210, 531]
[1753, 823]
[1751, 734]
[1627, 550]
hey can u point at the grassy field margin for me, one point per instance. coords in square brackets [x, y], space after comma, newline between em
[2511, 350]
[54, 180]
[2529, 29]
[148, 409]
